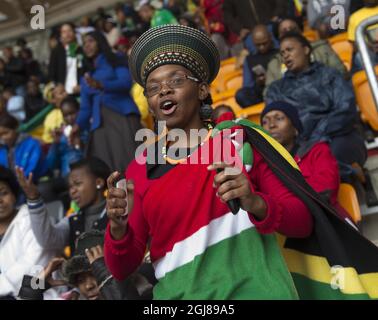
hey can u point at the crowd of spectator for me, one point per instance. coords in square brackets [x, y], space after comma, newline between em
[89, 109]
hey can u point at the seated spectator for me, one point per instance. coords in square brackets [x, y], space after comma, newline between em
[87, 273]
[20, 252]
[87, 184]
[122, 46]
[111, 31]
[19, 149]
[66, 65]
[85, 27]
[151, 12]
[324, 100]
[54, 119]
[176, 7]
[15, 104]
[321, 52]
[216, 27]
[34, 101]
[32, 66]
[241, 16]
[370, 9]
[319, 15]
[17, 72]
[63, 152]
[255, 66]
[315, 159]
[129, 22]
[223, 112]
[3, 106]
[5, 80]
[187, 19]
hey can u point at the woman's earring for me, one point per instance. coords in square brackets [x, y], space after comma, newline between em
[98, 187]
[206, 112]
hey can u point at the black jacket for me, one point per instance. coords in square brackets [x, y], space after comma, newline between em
[324, 100]
[16, 70]
[57, 70]
[247, 14]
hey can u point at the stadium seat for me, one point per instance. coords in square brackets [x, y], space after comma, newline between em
[343, 48]
[338, 38]
[233, 80]
[364, 97]
[347, 198]
[311, 35]
[227, 66]
[223, 95]
[251, 113]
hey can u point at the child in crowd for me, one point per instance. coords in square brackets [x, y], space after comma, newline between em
[223, 112]
[20, 252]
[54, 119]
[87, 274]
[62, 151]
[87, 184]
[15, 104]
[19, 149]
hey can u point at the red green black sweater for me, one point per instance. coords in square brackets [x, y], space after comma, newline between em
[199, 249]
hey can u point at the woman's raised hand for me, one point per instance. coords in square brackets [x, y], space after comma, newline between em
[119, 204]
[27, 184]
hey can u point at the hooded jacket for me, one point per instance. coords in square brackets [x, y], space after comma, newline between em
[325, 101]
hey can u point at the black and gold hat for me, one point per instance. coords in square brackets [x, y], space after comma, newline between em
[174, 44]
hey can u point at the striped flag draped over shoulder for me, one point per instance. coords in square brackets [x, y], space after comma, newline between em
[336, 261]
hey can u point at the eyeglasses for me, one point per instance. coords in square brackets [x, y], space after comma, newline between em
[178, 81]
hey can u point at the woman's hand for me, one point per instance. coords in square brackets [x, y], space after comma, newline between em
[119, 205]
[46, 274]
[74, 137]
[56, 135]
[233, 184]
[27, 185]
[94, 84]
[94, 253]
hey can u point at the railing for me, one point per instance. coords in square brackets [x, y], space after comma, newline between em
[363, 49]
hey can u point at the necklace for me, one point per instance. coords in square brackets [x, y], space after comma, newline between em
[177, 161]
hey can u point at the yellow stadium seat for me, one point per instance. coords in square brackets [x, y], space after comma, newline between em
[227, 66]
[223, 95]
[364, 97]
[338, 38]
[344, 50]
[228, 61]
[311, 35]
[347, 198]
[251, 113]
[233, 80]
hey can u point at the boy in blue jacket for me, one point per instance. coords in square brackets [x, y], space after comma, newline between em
[19, 149]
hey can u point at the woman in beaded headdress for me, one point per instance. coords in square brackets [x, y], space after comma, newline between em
[199, 249]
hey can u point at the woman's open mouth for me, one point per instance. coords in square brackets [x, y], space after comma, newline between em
[289, 64]
[168, 107]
